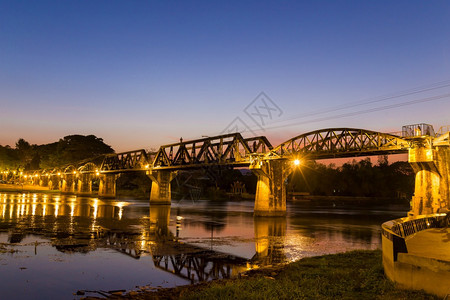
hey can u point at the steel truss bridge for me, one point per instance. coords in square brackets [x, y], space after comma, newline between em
[427, 153]
[234, 150]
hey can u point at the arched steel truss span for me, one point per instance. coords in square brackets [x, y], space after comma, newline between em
[340, 142]
[127, 161]
[229, 149]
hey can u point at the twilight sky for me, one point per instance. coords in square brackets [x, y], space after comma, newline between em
[144, 73]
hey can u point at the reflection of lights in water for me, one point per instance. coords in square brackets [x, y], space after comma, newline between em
[142, 244]
[56, 210]
[120, 206]
[95, 204]
[44, 208]
[72, 209]
[11, 211]
[3, 211]
[178, 225]
[33, 209]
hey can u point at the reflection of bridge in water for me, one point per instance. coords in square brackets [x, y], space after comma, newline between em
[88, 224]
[428, 153]
[199, 264]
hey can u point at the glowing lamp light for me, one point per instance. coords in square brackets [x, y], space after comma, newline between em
[296, 162]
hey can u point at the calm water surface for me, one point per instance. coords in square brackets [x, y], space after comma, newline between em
[51, 246]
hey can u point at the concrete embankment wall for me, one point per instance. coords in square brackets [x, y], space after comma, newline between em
[415, 272]
[419, 261]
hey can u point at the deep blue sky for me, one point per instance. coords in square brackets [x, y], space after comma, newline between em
[144, 73]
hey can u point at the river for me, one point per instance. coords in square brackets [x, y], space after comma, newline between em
[52, 245]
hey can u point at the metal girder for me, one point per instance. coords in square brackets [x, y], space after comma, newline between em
[126, 161]
[202, 265]
[340, 142]
[233, 150]
[88, 168]
[229, 149]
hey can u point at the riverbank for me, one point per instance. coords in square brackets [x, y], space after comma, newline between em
[353, 275]
[24, 188]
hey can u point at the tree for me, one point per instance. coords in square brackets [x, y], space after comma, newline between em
[74, 148]
[25, 152]
[9, 158]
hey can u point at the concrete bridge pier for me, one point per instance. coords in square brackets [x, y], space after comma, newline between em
[432, 183]
[68, 183]
[107, 185]
[84, 184]
[35, 180]
[43, 180]
[161, 192]
[270, 198]
[54, 182]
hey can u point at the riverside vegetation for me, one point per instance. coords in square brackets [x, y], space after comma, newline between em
[352, 275]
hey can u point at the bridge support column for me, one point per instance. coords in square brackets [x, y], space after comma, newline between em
[43, 180]
[107, 186]
[270, 199]
[161, 192]
[54, 182]
[68, 184]
[84, 184]
[35, 180]
[432, 183]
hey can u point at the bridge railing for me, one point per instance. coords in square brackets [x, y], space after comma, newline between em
[417, 130]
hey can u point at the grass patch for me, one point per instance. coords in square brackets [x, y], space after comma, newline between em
[351, 275]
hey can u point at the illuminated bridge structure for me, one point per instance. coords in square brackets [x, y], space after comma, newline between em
[428, 153]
